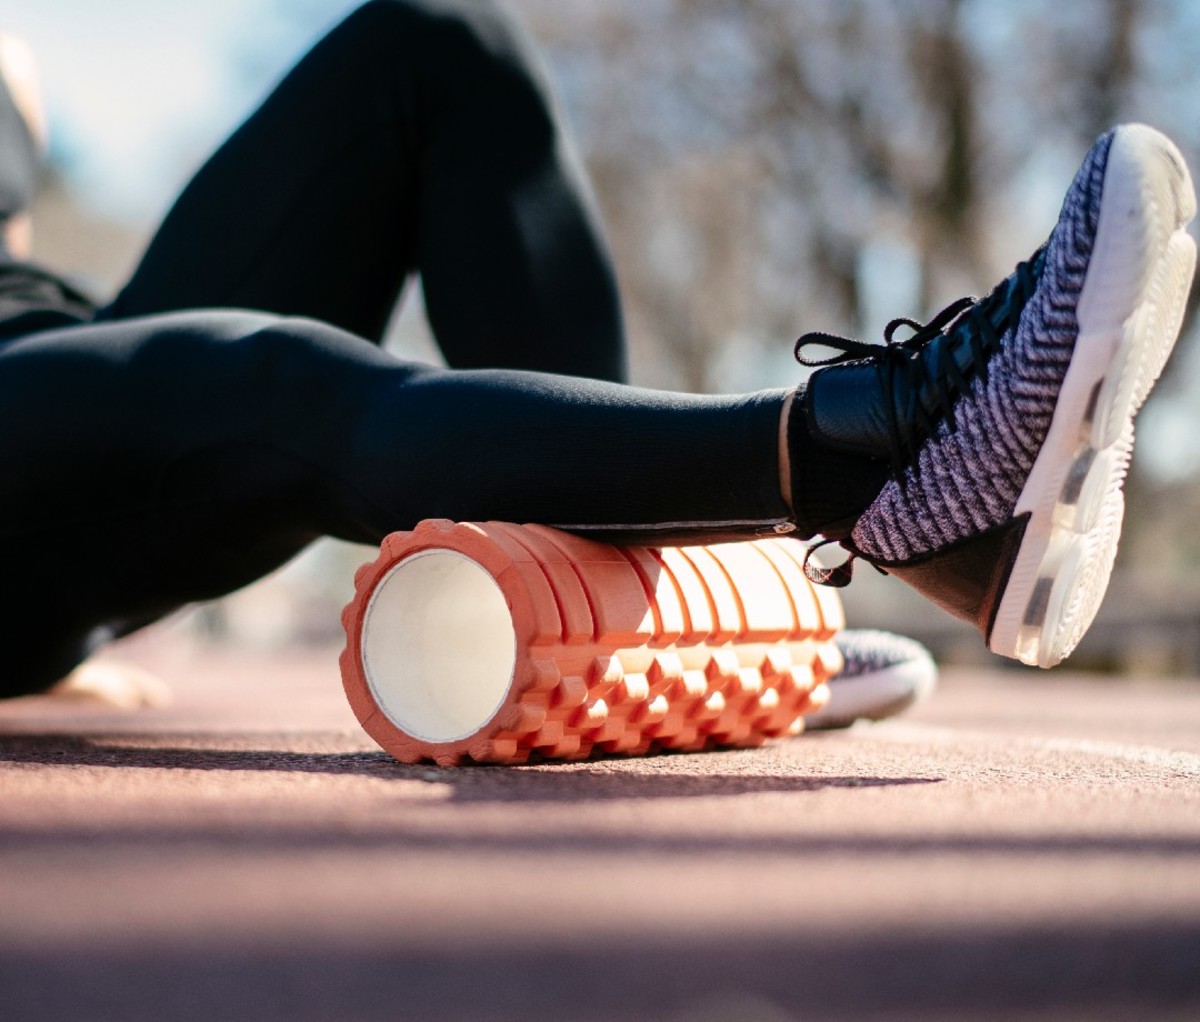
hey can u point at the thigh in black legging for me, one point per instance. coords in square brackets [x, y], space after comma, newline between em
[419, 135]
[153, 462]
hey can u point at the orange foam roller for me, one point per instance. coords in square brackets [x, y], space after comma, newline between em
[496, 642]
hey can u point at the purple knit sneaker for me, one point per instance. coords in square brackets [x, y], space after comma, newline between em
[1009, 421]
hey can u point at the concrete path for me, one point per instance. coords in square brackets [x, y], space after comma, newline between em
[1026, 846]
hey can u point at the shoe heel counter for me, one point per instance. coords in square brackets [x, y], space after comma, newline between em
[967, 578]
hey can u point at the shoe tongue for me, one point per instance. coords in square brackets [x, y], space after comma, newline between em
[1002, 306]
[847, 409]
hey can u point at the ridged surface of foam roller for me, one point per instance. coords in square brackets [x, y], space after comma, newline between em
[497, 642]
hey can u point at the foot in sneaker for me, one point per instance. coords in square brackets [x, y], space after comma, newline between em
[1002, 430]
[883, 675]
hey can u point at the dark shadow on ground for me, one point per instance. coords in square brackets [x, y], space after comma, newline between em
[593, 780]
[1145, 970]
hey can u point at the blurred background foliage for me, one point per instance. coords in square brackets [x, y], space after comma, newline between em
[769, 167]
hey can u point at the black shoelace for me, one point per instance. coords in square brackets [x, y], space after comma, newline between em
[979, 323]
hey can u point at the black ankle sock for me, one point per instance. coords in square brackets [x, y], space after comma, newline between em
[830, 489]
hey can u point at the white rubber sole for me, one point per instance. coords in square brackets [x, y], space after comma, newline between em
[1129, 315]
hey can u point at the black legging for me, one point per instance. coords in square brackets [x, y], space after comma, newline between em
[178, 445]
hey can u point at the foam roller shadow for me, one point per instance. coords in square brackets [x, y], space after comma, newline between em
[494, 642]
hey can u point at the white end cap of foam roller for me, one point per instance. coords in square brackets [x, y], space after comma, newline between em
[438, 646]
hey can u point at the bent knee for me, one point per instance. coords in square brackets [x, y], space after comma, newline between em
[474, 39]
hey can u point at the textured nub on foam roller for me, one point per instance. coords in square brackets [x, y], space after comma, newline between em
[495, 642]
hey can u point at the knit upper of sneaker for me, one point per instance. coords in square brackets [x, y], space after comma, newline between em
[967, 475]
[868, 651]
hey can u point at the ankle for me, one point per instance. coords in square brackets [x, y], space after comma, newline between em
[785, 458]
[828, 487]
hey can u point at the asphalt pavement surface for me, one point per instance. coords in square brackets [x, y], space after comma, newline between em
[1024, 846]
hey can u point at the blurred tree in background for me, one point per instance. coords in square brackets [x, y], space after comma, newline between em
[769, 167]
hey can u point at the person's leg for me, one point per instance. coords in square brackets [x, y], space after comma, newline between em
[231, 440]
[418, 135]
[152, 462]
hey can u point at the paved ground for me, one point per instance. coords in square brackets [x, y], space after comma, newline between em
[1027, 846]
